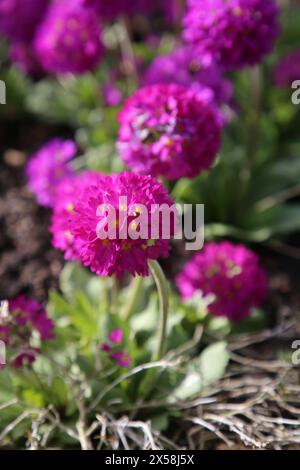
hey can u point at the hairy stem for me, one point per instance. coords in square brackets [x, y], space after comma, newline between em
[115, 289]
[163, 294]
[133, 297]
[254, 115]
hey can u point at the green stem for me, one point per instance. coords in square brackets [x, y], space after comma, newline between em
[104, 292]
[127, 52]
[163, 294]
[252, 137]
[115, 294]
[253, 125]
[150, 378]
[133, 297]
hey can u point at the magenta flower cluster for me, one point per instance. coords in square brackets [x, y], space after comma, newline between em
[28, 311]
[231, 273]
[48, 167]
[110, 9]
[25, 316]
[52, 36]
[19, 18]
[186, 67]
[109, 256]
[168, 130]
[112, 348]
[112, 95]
[22, 54]
[235, 33]
[68, 40]
[68, 191]
[287, 70]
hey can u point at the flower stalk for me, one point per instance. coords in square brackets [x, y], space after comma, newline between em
[163, 294]
[133, 297]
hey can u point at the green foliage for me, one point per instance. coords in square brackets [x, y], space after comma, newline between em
[17, 87]
[73, 362]
[202, 371]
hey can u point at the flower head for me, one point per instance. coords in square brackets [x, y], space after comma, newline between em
[20, 18]
[167, 130]
[122, 358]
[116, 336]
[30, 313]
[23, 318]
[185, 67]
[288, 70]
[48, 167]
[231, 273]
[22, 55]
[109, 10]
[112, 95]
[115, 339]
[68, 40]
[25, 358]
[173, 11]
[120, 205]
[68, 191]
[236, 33]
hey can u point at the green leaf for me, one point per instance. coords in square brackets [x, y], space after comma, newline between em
[288, 220]
[59, 392]
[191, 385]
[79, 312]
[160, 422]
[212, 362]
[83, 316]
[146, 320]
[74, 278]
[33, 398]
[203, 371]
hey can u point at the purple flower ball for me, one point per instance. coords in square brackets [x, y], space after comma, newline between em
[232, 273]
[167, 130]
[115, 339]
[185, 67]
[25, 311]
[112, 95]
[68, 40]
[25, 358]
[116, 336]
[22, 55]
[19, 18]
[122, 358]
[48, 167]
[288, 70]
[174, 10]
[121, 253]
[68, 191]
[25, 318]
[108, 10]
[236, 33]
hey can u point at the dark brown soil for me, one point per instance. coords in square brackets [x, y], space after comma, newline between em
[28, 264]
